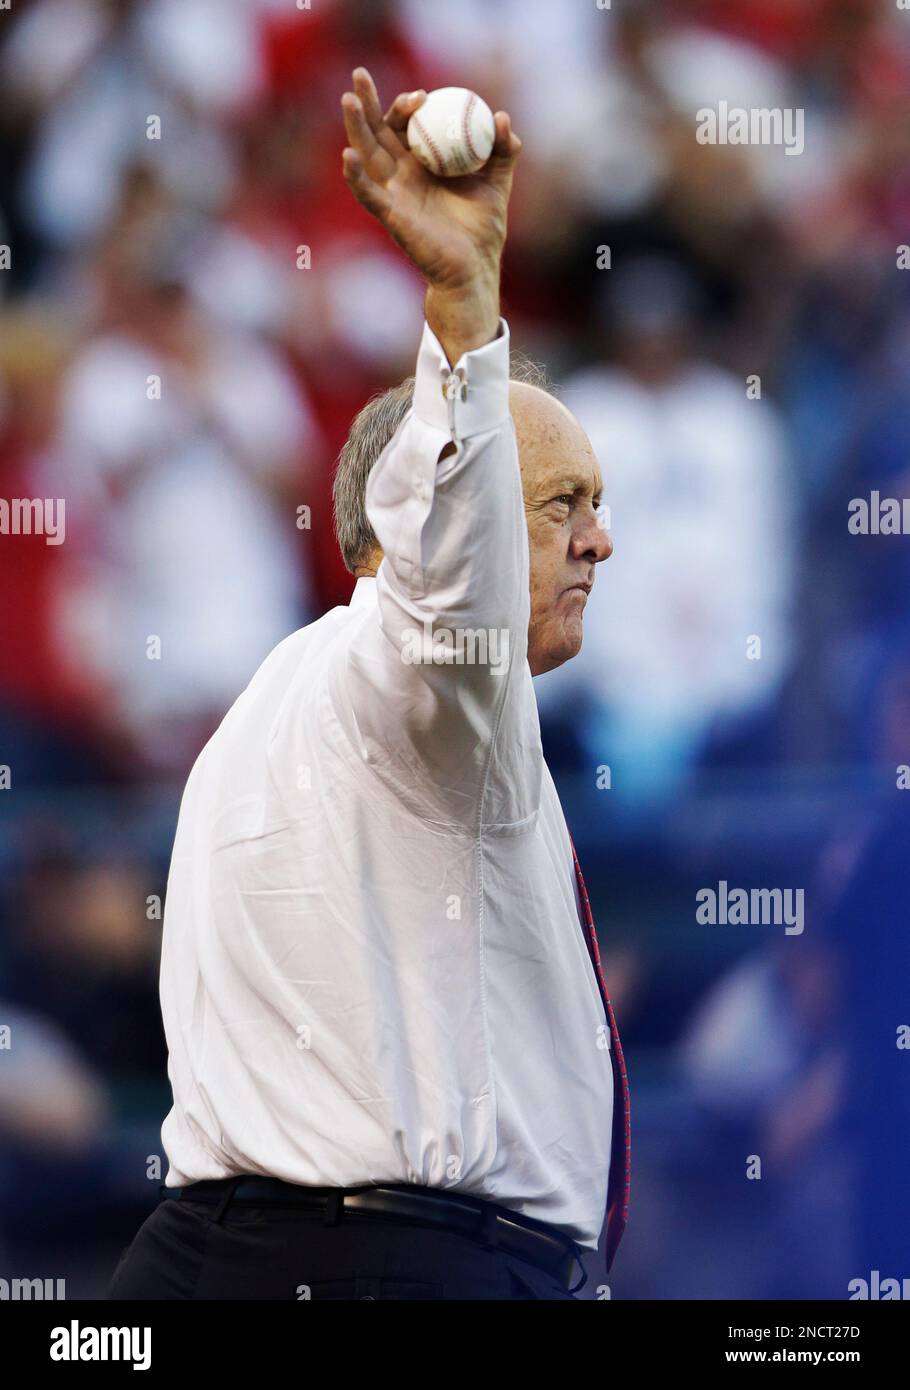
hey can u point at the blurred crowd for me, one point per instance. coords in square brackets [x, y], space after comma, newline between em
[194, 308]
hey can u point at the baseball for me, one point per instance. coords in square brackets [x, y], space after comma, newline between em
[452, 133]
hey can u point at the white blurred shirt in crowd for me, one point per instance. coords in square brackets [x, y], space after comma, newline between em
[182, 495]
[702, 560]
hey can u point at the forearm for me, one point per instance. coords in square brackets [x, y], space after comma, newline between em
[466, 318]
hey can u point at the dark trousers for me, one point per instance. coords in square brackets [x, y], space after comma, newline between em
[193, 1250]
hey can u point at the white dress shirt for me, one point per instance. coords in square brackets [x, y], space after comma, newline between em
[373, 965]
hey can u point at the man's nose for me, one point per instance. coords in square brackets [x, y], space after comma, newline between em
[595, 543]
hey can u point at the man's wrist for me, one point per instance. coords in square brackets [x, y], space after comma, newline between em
[465, 318]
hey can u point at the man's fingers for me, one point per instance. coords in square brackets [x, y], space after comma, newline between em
[366, 190]
[389, 134]
[355, 123]
[365, 88]
[500, 167]
[402, 109]
[361, 137]
[506, 144]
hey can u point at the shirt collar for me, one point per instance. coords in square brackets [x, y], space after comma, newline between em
[364, 593]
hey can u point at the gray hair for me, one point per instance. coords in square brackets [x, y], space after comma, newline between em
[372, 430]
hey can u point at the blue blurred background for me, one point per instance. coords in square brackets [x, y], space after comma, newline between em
[685, 752]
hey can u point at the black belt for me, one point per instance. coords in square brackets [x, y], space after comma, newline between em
[481, 1220]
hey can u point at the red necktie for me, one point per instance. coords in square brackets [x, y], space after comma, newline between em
[620, 1179]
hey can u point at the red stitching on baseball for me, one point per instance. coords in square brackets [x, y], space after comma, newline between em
[431, 145]
[466, 126]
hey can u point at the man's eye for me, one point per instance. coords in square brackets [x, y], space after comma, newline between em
[565, 497]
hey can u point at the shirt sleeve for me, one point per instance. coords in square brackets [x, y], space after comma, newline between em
[423, 676]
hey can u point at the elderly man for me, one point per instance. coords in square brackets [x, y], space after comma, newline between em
[395, 1068]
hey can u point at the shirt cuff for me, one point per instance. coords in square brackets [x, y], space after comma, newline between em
[470, 398]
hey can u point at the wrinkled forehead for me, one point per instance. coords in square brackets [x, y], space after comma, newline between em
[553, 449]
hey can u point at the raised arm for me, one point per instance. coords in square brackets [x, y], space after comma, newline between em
[422, 679]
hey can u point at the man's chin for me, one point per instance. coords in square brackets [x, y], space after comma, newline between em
[558, 653]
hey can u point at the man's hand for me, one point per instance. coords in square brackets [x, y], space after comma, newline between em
[453, 230]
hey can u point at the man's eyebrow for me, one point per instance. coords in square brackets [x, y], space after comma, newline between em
[573, 485]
